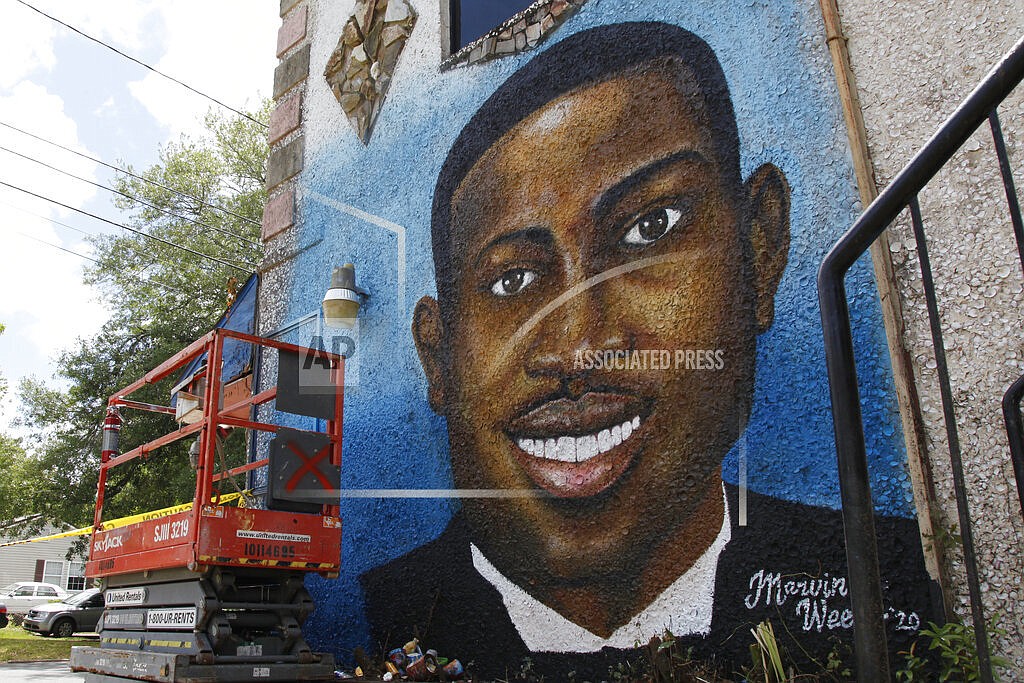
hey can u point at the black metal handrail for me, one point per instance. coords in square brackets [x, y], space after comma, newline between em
[855, 489]
[1015, 433]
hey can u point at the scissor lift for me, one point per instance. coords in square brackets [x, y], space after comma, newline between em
[215, 593]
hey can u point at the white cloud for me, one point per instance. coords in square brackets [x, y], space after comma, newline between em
[224, 48]
[228, 55]
[38, 280]
[26, 44]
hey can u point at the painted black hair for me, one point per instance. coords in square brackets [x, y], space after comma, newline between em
[580, 60]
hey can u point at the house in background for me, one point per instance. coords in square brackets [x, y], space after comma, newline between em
[39, 560]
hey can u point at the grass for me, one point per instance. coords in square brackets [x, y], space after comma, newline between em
[18, 645]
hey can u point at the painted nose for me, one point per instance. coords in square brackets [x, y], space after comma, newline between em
[586, 321]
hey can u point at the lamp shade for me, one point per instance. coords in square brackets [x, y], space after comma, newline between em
[341, 302]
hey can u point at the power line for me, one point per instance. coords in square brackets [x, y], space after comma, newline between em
[131, 197]
[153, 260]
[57, 246]
[140, 63]
[47, 218]
[128, 172]
[125, 227]
[90, 258]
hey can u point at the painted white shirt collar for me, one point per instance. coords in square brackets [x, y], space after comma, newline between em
[684, 608]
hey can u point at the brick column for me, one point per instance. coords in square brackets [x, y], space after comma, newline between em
[287, 150]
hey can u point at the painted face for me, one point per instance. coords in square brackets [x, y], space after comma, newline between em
[603, 222]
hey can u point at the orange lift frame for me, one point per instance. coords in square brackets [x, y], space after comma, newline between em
[213, 533]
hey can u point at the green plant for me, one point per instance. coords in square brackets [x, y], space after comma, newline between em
[951, 654]
[766, 655]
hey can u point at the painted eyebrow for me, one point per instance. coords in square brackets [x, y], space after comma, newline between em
[539, 236]
[616, 192]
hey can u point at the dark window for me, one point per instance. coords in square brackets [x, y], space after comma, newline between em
[471, 19]
[46, 591]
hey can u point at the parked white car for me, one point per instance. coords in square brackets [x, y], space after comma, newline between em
[22, 596]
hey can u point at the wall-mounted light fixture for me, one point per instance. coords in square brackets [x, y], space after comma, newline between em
[342, 300]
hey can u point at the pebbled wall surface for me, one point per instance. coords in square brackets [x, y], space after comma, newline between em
[914, 61]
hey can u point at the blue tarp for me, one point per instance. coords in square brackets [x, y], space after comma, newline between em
[240, 317]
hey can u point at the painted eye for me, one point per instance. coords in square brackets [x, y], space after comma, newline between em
[512, 282]
[652, 226]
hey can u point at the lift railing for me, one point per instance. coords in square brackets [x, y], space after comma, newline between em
[855, 489]
[205, 534]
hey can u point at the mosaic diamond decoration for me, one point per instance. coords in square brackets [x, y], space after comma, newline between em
[360, 68]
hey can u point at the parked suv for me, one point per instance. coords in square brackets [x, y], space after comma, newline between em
[22, 596]
[80, 612]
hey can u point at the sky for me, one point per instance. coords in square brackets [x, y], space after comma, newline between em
[58, 85]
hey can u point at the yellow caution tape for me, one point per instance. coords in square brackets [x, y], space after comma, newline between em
[123, 521]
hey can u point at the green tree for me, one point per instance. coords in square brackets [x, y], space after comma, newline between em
[163, 296]
[12, 464]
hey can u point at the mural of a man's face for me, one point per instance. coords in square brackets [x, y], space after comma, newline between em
[604, 220]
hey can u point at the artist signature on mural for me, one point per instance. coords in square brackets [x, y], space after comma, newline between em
[814, 600]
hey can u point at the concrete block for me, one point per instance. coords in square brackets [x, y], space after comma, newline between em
[285, 161]
[291, 72]
[278, 215]
[286, 117]
[292, 31]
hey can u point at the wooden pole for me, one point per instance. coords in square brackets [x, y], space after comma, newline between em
[892, 311]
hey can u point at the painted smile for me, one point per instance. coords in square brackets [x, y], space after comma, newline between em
[575, 448]
[579, 448]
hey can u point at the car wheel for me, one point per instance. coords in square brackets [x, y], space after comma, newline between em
[65, 628]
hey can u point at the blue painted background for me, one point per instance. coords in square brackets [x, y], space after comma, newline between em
[774, 56]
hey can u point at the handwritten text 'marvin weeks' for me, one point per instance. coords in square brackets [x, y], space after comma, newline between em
[811, 598]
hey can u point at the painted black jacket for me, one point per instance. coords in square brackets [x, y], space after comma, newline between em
[787, 565]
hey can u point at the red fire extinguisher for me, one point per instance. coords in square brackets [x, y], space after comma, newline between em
[111, 434]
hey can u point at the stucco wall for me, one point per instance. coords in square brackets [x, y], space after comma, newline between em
[371, 203]
[914, 62]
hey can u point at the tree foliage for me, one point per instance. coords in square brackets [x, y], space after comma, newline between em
[162, 297]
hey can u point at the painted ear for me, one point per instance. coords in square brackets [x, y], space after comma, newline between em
[427, 334]
[768, 196]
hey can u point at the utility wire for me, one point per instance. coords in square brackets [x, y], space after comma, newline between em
[90, 258]
[132, 198]
[152, 262]
[140, 63]
[56, 246]
[48, 219]
[125, 227]
[127, 172]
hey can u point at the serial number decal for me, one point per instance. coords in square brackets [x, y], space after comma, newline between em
[283, 552]
[261, 672]
[272, 536]
[126, 619]
[176, 618]
[168, 531]
[122, 597]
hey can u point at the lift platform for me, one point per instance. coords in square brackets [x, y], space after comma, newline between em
[215, 592]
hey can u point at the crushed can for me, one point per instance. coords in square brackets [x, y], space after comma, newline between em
[392, 668]
[398, 658]
[422, 668]
[453, 670]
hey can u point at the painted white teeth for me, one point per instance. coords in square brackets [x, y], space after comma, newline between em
[579, 448]
[586, 447]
